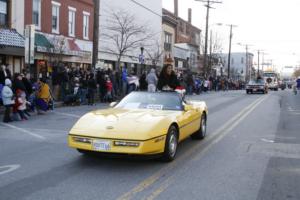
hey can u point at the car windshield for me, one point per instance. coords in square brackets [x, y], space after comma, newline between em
[257, 81]
[147, 100]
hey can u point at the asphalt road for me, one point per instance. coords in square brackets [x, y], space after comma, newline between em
[252, 151]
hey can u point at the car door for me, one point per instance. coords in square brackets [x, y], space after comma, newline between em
[189, 122]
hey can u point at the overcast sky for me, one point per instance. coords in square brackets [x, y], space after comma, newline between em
[270, 25]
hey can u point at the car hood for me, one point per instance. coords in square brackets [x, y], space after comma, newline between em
[115, 123]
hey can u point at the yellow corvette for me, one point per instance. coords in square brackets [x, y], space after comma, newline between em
[141, 124]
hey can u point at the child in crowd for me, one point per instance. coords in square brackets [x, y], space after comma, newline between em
[109, 88]
[20, 104]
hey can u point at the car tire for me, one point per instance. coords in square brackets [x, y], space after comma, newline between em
[201, 133]
[84, 152]
[171, 144]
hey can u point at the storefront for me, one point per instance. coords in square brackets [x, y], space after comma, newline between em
[51, 50]
[12, 50]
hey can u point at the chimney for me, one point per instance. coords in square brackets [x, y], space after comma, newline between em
[190, 15]
[176, 8]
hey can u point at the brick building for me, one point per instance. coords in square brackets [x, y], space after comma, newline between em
[11, 42]
[187, 38]
[64, 32]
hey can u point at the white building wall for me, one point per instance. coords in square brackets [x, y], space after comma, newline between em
[142, 16]
[18, 15]
[238, 63]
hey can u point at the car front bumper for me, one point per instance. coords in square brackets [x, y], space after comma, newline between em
[148, 147]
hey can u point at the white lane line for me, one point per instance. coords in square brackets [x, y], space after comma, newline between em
[212, 139]
[66, 114]
[23, 130]
[222, 132]
[268, 141]
[8, 168]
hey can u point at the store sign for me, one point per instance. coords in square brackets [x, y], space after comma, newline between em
[180, 64]
[29, 44]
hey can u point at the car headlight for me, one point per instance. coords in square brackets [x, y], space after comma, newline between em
[126, 144]
[82, 140]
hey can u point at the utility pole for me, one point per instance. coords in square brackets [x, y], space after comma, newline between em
[210, 52]
[96, 33]
[208, 6]
[258, 63]
[229, 53]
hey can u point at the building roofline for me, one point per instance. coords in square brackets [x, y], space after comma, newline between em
[169, 13]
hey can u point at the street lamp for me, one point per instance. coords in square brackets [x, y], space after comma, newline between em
[248, 69]
[210, 48]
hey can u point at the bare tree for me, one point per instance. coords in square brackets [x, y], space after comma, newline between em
[297, 73]
[155, 54]
[124, 34]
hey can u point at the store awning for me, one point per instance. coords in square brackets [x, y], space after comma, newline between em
[73, 46]
[42, 41]
[11, 38]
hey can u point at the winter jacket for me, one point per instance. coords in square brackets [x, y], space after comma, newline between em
[170, 81]
[152, 78]
[7, 94]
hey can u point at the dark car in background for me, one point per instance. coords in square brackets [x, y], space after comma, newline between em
[257, 86]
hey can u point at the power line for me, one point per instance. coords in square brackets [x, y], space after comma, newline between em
[150, 10]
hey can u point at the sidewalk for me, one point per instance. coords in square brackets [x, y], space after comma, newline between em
[57, 104]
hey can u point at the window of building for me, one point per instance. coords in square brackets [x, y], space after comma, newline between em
[72, 12]
[55, 17]
[86, 17]
[242, 60]
[36, 13]
[3, 13]
[168, 41]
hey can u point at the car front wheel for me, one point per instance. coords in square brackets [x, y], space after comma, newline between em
[171, 144]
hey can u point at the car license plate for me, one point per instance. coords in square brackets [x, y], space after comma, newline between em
[101, 145]
[254, 90]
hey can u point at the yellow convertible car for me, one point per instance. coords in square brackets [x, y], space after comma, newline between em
[142, 123]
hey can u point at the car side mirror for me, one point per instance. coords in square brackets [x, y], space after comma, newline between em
[112, 104]
[188, 107]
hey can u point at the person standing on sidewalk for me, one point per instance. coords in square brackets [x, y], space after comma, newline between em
[8, 100]
[152, 80]
[92, 86]
[124, 81]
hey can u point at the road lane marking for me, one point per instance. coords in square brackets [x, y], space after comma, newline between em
[10, 168]
[161, 189]
[220, 133]
[66, 114]
[23, 130]
[210, 139]
[268, 141]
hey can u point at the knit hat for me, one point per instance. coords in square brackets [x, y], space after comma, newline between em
[7, 82]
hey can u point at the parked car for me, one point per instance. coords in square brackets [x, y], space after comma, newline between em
[257, 86]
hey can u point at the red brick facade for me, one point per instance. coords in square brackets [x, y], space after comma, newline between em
[46, 16]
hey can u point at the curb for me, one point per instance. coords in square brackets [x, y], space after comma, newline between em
[58, 104]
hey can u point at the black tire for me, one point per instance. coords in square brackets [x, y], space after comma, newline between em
[171, 144]
[201, 133]
[84, 152]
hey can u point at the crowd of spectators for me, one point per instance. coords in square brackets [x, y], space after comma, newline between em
[83, 86]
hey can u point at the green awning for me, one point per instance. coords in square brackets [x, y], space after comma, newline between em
[42, 41]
